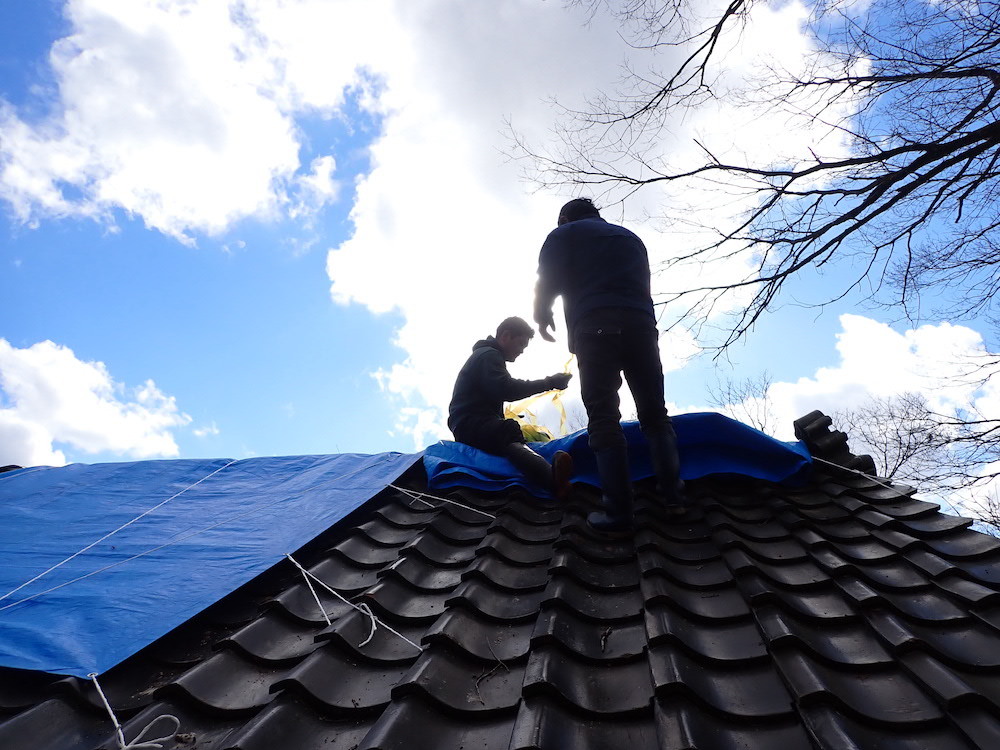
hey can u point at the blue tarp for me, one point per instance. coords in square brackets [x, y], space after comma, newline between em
[199, 546]
[708, 443]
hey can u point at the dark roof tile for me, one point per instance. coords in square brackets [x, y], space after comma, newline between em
[718, 640]
[397, 598]
[720, 686]
[544, 724]
[462, 682]
[495, 603]
[354, 632]
[592, 639]
[884, 695]
[273, 638]
[698, 574]
[416, 723]
[505, 575]
[287, 723]
[485, 639]
[419, 573]
[832, 728]
[681, 723]
[617, 575]
[228, 682]
[823, 601]
[54, 723]
[437, 551]
[841, 641]
[711, 604]
[594, 604]
[620, 685]
[360, 684]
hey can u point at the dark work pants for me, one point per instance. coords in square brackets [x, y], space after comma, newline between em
[503, 437]
[610, 342]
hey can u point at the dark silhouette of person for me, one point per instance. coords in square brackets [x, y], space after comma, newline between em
[601, 271]
[475, 415]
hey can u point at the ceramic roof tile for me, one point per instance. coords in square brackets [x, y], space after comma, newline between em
[543, 724]
[843, 614]
[623, 685]
[720, 686]
[361, 685]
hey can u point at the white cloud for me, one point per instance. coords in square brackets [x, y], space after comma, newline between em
[209, 430]
[183, 114]
[937, 361]
[51, 398]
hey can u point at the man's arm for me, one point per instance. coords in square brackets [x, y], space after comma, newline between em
[544, 298]
[502, 387]
[546, 290]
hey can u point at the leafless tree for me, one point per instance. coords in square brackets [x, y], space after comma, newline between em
[746, 401]
[911, 207]
[949, 457]
[912, 443]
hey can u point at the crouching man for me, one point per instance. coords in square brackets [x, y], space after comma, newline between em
[475, 415]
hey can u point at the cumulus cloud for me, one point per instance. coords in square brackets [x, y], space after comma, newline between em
[183, 114]
[937, 361]
[51, 400]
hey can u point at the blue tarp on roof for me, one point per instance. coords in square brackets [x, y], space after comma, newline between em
[709, 444]
[222, 524]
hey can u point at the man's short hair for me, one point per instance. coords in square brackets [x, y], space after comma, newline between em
[578, 208]
[516, 327]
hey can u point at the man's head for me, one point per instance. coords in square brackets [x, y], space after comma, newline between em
[578, 208]
[513, 335]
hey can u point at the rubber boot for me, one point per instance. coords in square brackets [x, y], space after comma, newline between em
[562, 471]
[529, 463]
[616, 485]
[667, 466]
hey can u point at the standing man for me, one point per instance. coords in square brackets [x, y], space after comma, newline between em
[601, 270]
[475, 415]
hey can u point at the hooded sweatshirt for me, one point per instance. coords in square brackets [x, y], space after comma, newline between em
[483, 384]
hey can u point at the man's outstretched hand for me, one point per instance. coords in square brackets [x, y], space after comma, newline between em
[559, 381]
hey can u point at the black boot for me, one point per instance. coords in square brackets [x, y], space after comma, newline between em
[529, 463]
[667, 466]
[616, 486]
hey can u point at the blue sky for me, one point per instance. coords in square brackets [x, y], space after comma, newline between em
[273, 229]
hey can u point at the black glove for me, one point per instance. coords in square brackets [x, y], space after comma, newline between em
[559, 381]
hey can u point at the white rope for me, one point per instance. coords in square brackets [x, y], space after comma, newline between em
[860, 474]
[136, 556]
[112, 533]
[374, 621]
[137, 743]
[362, 608]
[415, 495]
[153, 549]
[943, 501]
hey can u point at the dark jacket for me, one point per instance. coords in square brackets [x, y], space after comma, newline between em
[482, 386]
[593, 264]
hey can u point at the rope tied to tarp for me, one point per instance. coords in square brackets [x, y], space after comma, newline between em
[112, 533]
[879, 482]
[362, 608]
[137, 743]
[419, 497]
